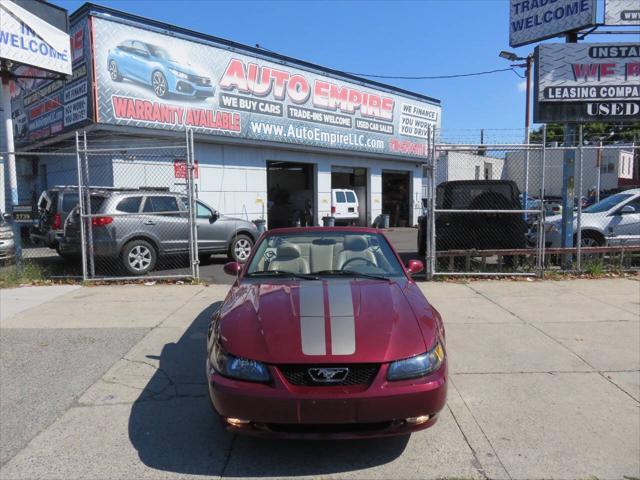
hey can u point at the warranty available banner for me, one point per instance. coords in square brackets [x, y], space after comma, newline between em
[149, 79]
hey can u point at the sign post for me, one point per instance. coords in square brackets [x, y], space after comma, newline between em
[11, 156]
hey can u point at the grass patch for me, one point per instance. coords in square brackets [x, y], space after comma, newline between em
[595, 269]
[29, 273]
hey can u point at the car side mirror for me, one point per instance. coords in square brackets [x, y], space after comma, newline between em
[415, 266]
[232, 268]
[214, 217]
[627, 209]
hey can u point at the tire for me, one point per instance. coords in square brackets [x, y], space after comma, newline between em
[139, 257]
[114, 73]
[204, 258]
[159, 84]
[590, 239]
[240, 248]
[72, 257]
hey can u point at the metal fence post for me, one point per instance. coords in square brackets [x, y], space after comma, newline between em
[427, 193]
[193, 229]
[579, 216]
[87, 189]
[541, 233]
[83, 247]
[431, 241]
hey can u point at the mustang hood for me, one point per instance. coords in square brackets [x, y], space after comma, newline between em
[324, 321]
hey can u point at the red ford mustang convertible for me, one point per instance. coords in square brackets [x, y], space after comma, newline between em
[325, 334]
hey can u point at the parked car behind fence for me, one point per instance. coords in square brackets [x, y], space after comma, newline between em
[53, 207]
[475, 230]
[135, 228]
[7, 243]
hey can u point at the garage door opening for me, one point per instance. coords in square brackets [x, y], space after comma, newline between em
[352, 179]
[396, 198]
[290, 194]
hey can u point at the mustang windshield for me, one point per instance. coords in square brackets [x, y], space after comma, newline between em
[326, 253]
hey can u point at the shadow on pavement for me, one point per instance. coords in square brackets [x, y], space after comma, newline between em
[174, 428]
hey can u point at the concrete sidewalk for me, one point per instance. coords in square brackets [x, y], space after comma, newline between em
[545, 383]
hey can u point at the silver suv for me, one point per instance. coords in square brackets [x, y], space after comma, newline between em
[138, 227]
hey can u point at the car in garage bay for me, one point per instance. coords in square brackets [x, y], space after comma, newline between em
[325, 334]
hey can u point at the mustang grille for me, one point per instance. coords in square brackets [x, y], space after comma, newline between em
[359, 374]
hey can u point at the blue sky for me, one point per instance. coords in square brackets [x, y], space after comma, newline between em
[431, 37]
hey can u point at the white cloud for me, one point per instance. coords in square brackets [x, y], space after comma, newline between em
[522, 86]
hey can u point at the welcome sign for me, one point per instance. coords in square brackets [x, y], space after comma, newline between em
[28, 40]
[534, 20]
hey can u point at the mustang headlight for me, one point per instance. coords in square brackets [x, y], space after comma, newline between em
[417, 366]
[179, 74]
[237, 367]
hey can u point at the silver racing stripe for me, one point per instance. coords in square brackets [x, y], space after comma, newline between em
[343, 328]
[312, 331]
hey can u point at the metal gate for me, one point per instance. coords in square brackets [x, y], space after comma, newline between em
[137, 213]
[481, 218]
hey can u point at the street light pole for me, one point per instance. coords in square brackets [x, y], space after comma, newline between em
[512, 57]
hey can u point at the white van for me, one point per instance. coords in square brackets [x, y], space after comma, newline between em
[344, 204]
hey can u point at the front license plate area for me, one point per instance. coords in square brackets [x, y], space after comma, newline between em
[327, 411]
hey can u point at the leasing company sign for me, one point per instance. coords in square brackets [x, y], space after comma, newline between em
[28, 40]
[587, 82]
[534, 20]
[150, 79]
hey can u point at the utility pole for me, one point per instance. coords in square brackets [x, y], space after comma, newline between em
[10, 159]
[527, 127]
[568, 180]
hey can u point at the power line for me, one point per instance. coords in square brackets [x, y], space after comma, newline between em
[434, 77]
[409, 77]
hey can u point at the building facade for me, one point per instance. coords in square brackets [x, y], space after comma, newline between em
[270, 131]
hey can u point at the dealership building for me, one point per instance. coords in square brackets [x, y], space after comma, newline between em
[273, 135]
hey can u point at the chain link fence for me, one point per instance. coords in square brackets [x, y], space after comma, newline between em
[526, 209]
[110, 211]
[136, 214]
[118, 213]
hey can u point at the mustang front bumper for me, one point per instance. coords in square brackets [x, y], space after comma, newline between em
[280, 409]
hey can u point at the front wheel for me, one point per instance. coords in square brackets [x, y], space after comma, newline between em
[114, 72]
[139, 257]
[589, 239]
[159, 84]
[240, 248]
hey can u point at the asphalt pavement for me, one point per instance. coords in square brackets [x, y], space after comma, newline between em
[108, 382]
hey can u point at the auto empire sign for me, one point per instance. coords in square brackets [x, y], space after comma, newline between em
[144, 80]
[534, 20]
[587, 82]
